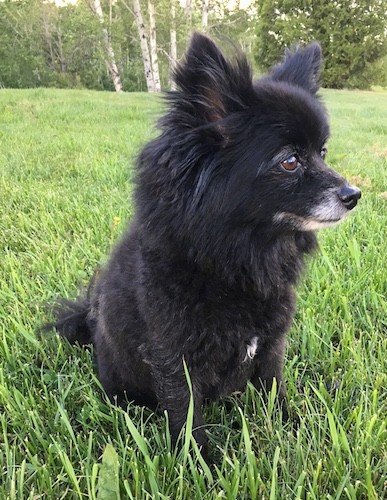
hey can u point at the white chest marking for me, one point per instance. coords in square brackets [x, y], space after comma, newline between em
[251, 349]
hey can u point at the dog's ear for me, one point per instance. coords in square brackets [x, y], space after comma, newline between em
[214, 86]
[301, 67]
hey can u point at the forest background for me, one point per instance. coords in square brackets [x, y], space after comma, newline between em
[132, 45]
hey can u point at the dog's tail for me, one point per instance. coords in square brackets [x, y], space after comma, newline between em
[73, 321]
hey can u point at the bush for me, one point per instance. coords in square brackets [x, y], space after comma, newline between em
[352, 36]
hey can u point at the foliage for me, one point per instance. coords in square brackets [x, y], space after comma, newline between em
[43, 43]
[64, 197]
[19, 64]
[352, 35]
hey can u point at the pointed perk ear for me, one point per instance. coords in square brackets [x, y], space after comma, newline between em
[301, 67]
[214, 86]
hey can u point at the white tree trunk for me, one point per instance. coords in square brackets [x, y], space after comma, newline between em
[188, 10]
[153, 45]
[108, 48]
[144, 46]
[205, 15]
[173, 51]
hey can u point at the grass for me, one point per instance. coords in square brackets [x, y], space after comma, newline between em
[65, 190]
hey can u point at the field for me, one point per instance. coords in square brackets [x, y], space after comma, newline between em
[66, 160]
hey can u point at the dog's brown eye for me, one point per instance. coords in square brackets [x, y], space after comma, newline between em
[290, 163]
[323, 153]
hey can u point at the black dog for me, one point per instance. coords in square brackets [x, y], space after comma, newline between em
[227, 201]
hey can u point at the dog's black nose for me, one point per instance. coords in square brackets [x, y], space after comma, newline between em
[349, 195]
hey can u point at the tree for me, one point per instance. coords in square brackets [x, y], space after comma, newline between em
[43, 44]
[173, 48]
[21, 51]
[351, 32]
[153, 46]
[110, 60]
[149, 56]
[234, 23]
[205, 8]
[56, 44]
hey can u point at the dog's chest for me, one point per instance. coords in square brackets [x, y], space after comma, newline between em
[251, 349]
[229, 366]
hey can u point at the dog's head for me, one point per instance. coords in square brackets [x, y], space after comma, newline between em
[262, 154]
[313, 195]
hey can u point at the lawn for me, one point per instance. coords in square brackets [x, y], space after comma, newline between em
[66, 163]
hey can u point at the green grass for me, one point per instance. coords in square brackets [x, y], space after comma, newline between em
[65, 191]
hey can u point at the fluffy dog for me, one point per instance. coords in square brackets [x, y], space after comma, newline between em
[228, 200]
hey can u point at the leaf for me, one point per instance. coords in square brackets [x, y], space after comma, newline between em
[108, 485]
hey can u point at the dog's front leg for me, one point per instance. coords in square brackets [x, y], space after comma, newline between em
[174, 396]
[269, 366]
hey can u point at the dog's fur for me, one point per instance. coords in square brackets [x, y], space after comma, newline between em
[207, 269]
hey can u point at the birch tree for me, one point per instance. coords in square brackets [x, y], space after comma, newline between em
[144, 46]
[110, 60]
[173, 40]
[153, 46]
[188, 11]
[205, 14]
